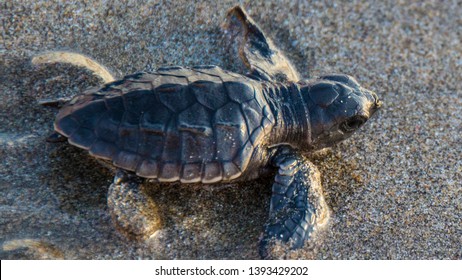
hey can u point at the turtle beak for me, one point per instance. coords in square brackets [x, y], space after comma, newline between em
[376, 103]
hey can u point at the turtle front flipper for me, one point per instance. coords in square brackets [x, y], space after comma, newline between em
[133, 211]
[297, 205]
[259, 54]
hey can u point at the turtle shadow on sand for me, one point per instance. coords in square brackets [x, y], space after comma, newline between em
[209, 222]
[27, 118]
[78, 182]
[46, 201]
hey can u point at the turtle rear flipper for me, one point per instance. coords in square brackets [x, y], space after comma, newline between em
[258, 52]
[133, 211]
[75, 59]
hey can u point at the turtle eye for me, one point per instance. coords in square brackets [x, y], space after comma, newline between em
[352, 124]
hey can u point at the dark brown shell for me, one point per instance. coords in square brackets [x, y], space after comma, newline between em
[193, 125]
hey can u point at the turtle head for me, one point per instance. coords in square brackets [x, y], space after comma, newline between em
[338, 106]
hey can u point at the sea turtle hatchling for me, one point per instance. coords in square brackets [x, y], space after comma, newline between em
[208, 125]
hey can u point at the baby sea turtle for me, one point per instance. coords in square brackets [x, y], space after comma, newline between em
[207, 125]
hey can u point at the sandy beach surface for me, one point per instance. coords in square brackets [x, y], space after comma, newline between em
[394, 189]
